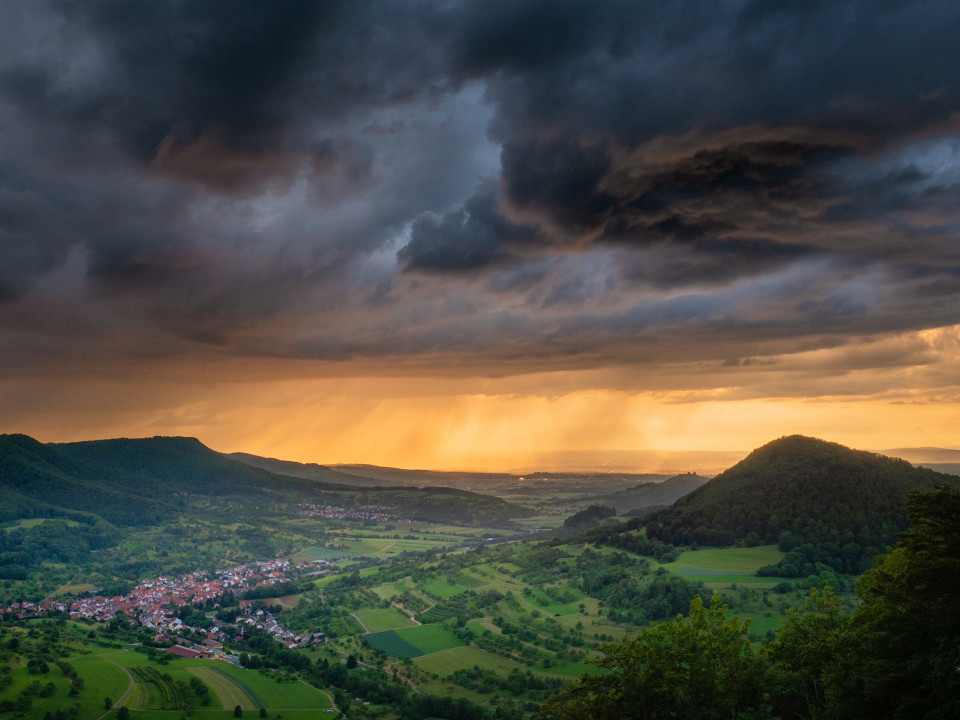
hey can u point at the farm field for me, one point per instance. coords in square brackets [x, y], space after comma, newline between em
[444, 662]
[229, 692]
[229, 686]
[413, 642]
[392, 644]
[380, 619]
[429, 638]
[723, 561]
[278, 696]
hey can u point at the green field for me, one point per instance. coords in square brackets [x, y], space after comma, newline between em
[381, 619]
[392, 644]
[231, 692]
[441, 588]
[445, 662]
[279, 696]
[413, 642]
[33, 522]
[723, 561]
[320, 553]
[429, 638]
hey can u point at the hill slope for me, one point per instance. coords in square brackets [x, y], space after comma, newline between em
[820, 501]
[651, 494]
[308, 471]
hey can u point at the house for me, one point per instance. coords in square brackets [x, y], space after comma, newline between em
[184, 652]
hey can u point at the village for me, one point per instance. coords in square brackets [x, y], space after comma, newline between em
[154, 603]
[374, 513]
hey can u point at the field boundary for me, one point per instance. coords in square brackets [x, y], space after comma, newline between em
[251, 695]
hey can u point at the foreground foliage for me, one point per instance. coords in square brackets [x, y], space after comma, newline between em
[896, 657]
[699, 667]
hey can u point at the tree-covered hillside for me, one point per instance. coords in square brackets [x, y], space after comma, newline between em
[820, 501]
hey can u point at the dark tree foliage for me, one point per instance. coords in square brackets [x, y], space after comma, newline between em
[900, 656]
[699, 668]
[820, 501]
[629, 537]
[589, 516]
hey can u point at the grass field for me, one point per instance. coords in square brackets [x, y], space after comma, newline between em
[439, 587]
[429, 638]
[287, 602]
[320, 553]
[735, 561]
[101, 679]
[33, 522]
[444, 662]
[380, 619]
[79, 588]
[392, 644]
[276, 696]
[228, 690]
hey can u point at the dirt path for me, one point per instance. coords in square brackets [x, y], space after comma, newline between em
[361, 623]
[333, 703]
[120, 700]
[400, 607]
[52, 595]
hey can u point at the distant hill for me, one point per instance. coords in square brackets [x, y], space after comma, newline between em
[38, 480]
[136, 481]
[436, 478]
[925, 455]
[90, 493]
[651, 494]
[820, 501]
[948, 468]
[308, 471]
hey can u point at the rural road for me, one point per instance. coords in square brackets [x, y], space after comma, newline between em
[127, 692]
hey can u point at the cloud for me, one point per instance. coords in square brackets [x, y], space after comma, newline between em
[489, 187]
[463, 238]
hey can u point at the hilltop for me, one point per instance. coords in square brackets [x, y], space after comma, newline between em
[819, 501]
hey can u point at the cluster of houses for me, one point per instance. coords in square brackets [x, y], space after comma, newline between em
[153, 604]
[264, 620]
[377, 513]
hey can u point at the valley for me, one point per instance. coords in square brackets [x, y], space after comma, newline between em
[290, 596]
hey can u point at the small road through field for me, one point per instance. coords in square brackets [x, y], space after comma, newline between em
[333, 703]
[398, 606]
[120, 699]
[361, 624]
[55, 592]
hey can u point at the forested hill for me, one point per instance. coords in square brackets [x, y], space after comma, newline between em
[820, 501]
[651, 494]
[139, 481]
[38, 480]
[190, 467]
[309, 471]
[187, 465]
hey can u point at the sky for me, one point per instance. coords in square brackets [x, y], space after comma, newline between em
[448, 234]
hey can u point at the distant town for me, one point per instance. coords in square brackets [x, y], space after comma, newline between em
[376, 513]
[153, 604]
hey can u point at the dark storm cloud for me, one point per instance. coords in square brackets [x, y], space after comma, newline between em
[463, 237]
[513, 179]
[713, 263]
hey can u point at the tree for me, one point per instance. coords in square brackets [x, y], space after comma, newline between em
[263, 712]
[900, 655]
[238, 711]
[351, 662]
[700, 667]
[802, 653]
[123, 713]
[107, 703]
